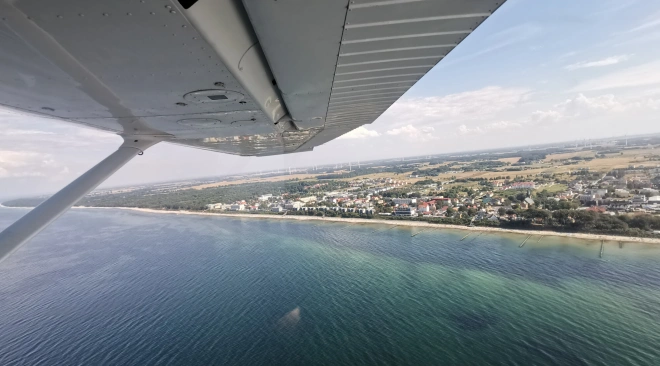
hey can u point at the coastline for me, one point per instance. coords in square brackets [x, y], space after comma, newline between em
[582, 236]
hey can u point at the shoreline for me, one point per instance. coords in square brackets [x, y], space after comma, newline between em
[582, 236]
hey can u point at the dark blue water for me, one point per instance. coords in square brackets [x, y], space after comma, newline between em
[112, 287]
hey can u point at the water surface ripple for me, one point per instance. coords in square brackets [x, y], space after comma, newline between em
[112, 287]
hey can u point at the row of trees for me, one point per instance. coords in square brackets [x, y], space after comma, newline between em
[585, 221]
[192, 199]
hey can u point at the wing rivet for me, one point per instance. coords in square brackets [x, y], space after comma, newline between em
[181, 104]
[219, 84]
[105, 14]
[172, 12]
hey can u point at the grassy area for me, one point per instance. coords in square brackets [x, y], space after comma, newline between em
[551, 165]
[553, 188]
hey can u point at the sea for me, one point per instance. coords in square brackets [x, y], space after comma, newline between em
[118, 287]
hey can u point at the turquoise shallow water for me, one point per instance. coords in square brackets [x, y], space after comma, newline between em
[110, 287]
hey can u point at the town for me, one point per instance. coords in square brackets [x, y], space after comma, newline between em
[608, 187]
[621, 191]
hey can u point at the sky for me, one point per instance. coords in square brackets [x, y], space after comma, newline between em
[534, 72]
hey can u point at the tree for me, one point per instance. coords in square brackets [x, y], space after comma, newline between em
[501, 211]
[450, 211]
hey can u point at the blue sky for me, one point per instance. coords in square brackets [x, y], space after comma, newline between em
[535, 72]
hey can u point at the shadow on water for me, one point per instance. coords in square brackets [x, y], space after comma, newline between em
[498, 254]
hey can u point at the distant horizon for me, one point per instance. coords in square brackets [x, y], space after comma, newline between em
[362, 162]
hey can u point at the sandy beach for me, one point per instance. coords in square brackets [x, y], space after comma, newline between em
[582, 236]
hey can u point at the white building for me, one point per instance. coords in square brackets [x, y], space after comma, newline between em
[293, 205]
[237, 207]
[405, 210]
[404, 201]
[654, 199]
[265, 197]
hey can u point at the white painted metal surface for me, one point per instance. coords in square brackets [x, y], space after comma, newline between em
[37, 219]
[225, 26]
[126, 66]
[362, 55]
[131, 66]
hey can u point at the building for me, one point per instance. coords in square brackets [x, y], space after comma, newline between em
[587, 197]
[276, 209]
[638, 199]
[597, 192]
[405, 210]
[265, 197]
[654, 199]
[404, 201]
[523, 185]
[237, 207]
[619, 205]
[293, 205]
[423, 207]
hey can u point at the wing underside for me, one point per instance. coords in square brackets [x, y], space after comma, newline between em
[248, 78]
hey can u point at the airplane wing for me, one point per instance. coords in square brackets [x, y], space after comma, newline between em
[250, 77]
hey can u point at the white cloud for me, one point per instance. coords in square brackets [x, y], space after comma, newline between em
[651, 22]
[613, 60]
[360, 133]
[641, 75]
[412, 133]
[501, 125]
[586, 107]
[15, 164]
[481, 104]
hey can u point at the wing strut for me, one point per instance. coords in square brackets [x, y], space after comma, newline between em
[37, 219]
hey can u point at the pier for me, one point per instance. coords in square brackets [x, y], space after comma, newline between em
[602, 244]
[419, 232]
[540, 238]
[391, 227]
[524, 241]
[463, 238]
[475, 238]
